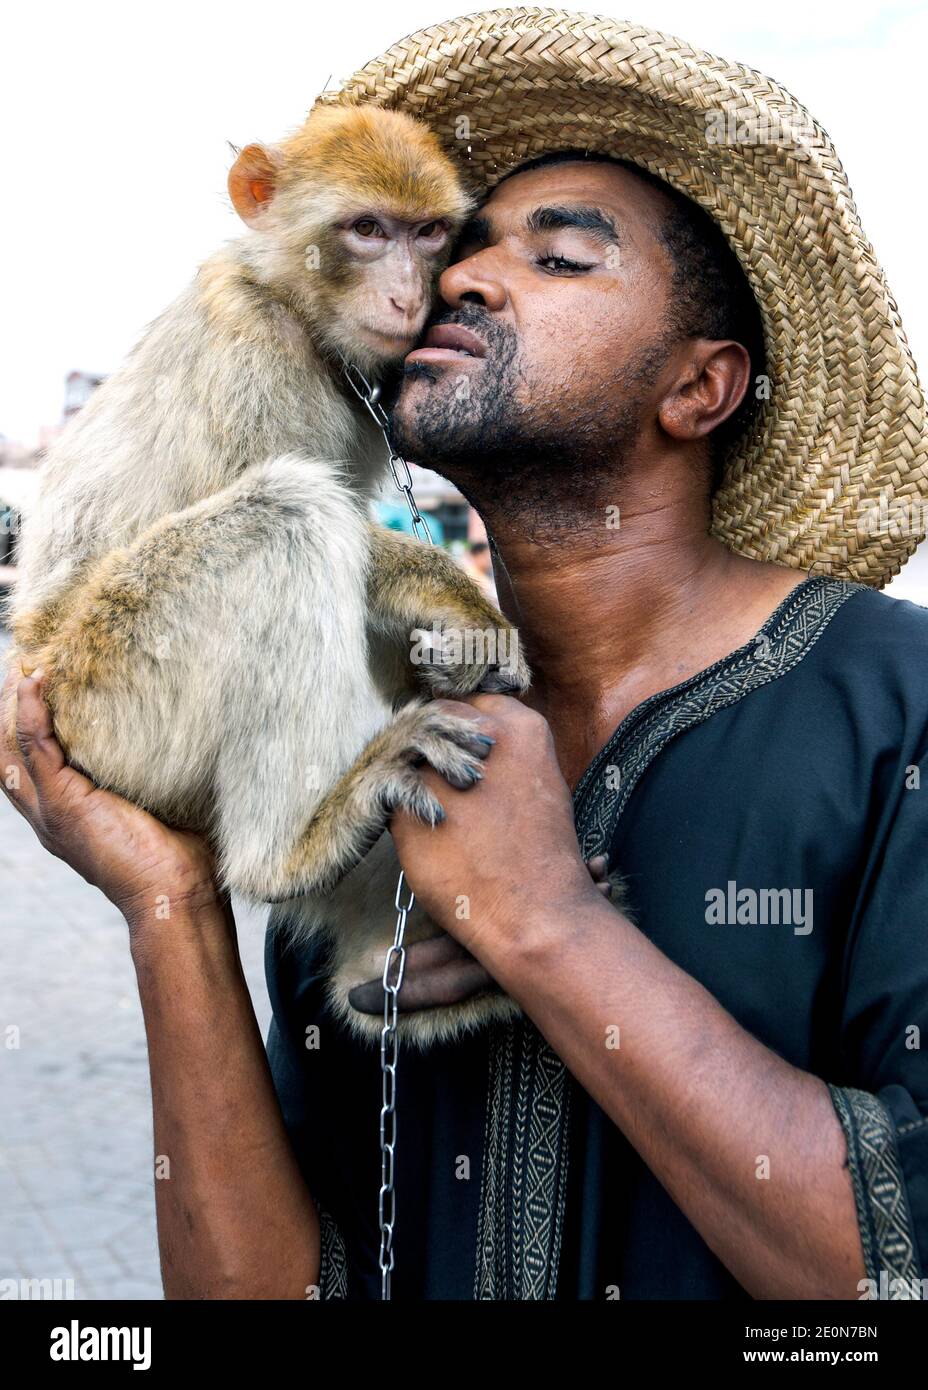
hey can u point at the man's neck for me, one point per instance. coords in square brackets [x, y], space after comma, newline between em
[610, 614]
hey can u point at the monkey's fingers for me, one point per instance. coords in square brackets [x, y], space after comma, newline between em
[438, 972]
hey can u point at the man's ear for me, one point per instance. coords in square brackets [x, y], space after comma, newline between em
[716, 377]
[252, 181]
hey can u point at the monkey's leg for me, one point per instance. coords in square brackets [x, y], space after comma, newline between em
[384, 778]
[424, 603]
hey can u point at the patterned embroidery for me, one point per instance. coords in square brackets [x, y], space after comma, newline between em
[786, 637]
[333, 1265]
[492, 1227]
[523, 1186]
[879, 1191]
[525, 1168]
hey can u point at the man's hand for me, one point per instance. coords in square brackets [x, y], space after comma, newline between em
[440, 971]
[120, 849]
[506, 847]
[506, 843]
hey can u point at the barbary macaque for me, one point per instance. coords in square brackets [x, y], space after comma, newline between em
[225, 635]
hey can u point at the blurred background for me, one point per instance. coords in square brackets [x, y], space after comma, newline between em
[116, 122]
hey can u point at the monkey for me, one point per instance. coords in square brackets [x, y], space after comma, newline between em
[223, 631]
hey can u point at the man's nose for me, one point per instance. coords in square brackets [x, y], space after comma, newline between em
[474, 280]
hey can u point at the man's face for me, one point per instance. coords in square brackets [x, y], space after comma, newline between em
[563, 283]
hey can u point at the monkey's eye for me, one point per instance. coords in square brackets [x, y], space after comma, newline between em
[438, 227]
[366, 226]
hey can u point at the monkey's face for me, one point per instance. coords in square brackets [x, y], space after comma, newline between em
[379, 278]
[354, 217]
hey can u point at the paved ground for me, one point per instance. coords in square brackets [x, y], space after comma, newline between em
[76, 1199]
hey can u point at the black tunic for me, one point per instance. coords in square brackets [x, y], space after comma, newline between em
[769, 818]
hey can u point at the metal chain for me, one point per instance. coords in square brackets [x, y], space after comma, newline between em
[369, 396]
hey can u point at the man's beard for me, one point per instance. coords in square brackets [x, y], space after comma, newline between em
[552, 472]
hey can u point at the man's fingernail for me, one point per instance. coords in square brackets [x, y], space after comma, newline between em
[37, 674]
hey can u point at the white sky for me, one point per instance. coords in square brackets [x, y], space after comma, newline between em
[115, 120]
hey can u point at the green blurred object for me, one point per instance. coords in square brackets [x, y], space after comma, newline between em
[395, 516]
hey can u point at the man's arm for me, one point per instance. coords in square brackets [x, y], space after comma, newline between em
[748, 1146]
[235, 1219]
[701, 1100]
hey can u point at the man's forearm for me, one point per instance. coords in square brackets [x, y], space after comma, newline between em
[235, 1219]
[702, 1101]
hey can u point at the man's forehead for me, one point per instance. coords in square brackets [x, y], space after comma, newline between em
[593, 182]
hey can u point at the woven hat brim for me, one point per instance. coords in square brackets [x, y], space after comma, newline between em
[833, 474]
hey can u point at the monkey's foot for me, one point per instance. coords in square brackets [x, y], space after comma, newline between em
[452, 745]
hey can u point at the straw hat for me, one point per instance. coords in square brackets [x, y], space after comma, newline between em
[834, 473]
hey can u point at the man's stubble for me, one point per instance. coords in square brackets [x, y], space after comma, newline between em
[546, 469]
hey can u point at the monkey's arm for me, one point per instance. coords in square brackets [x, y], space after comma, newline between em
[415, 588]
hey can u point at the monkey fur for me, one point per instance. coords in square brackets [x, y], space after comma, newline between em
[223, 631]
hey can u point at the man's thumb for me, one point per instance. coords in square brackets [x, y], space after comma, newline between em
[34, 732]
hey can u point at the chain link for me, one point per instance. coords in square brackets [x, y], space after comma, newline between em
[369, 396]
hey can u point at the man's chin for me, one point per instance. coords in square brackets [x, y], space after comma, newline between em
[418, 389]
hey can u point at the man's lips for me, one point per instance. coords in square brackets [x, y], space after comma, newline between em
[448, 342]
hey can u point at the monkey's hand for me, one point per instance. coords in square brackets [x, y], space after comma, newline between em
[456, 642]
[465, 659]
[387, 777]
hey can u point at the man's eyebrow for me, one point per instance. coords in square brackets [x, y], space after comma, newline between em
[550, 219]
[583, 219]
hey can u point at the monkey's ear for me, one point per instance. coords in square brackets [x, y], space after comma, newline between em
[252, 181]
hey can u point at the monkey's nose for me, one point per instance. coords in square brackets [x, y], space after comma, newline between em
[408, 309]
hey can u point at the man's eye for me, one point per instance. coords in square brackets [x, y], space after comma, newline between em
[559, 263]
[366, 226]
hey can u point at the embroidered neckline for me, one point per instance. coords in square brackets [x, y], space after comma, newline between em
[523, 1183]
[623, 732]
[788, 634]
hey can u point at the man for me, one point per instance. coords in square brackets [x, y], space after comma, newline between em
[718, 1091]
[478, 564]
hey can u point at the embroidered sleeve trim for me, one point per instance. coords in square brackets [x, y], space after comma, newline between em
[886, 1231]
